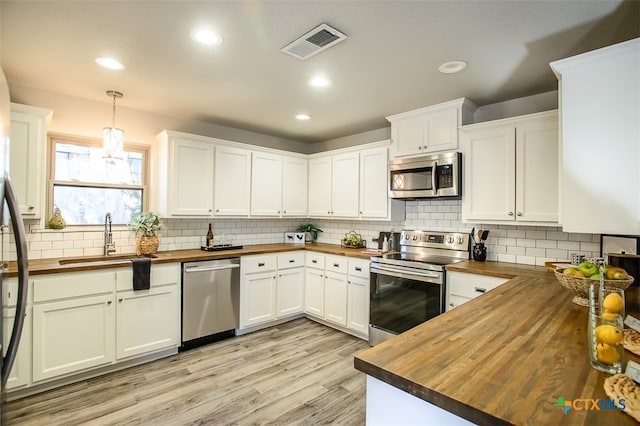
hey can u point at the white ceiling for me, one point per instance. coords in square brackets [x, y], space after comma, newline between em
[388, 64]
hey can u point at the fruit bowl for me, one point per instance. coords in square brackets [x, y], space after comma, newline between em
[580, 286]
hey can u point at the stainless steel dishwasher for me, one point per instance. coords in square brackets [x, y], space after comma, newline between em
[210, 301]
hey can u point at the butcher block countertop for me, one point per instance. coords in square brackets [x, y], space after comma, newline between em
[118, 260]
[504, 357]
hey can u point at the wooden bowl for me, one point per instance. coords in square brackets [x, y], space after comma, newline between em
[580, 286]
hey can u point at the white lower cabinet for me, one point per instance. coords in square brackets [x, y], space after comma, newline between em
[335, 298]
[20, 374]
[148, 320]
[73, 335]
[358, 296]
[290, 285]
[271, 287]
[78, 324]
[337, 291]
[463, 286]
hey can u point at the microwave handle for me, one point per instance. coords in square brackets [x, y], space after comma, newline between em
[434, 181]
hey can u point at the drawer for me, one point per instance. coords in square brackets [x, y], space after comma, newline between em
[471, 285]
[9, 292]
[291, 259]
[336, 264]
[358, 268]
[314, 260]
[75, 284]
[260, 263]
[166, 274]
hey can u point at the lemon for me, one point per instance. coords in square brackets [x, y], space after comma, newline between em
[609, 316]
[607, 354]
[613, 303]
[608, 334]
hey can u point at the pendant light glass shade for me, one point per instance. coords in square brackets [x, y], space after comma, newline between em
[113, 143]
[112, 137]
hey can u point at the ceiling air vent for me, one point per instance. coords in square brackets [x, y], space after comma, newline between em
[314, 42]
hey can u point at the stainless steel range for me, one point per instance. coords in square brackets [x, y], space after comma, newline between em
[408, 288]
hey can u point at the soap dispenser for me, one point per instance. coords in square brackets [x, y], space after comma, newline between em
[385, 244]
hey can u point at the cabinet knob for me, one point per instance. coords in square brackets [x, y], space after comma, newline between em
[328, 212]
[278, 211]
[285, 212]
[31, 207]
[217, 210]
[519, 214]
[451, 304]
[510, 213]
[120, 300]
[109, 302]
[210, 210]
[360, 212]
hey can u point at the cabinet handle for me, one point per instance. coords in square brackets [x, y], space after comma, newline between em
[451, 304]
[336, 265]
[292, 260]
[519, 214]
[8, 295]
[359, 269]
[120, 300]
[510, 213]
[480, 289]
[260, 264]
[109, 302]
[314, 261]
[31, 207]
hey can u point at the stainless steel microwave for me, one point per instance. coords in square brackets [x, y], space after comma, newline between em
[426, 177]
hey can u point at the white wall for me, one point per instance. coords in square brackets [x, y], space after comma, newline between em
[84, 117]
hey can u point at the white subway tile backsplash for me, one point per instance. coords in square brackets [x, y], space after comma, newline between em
[506, 243]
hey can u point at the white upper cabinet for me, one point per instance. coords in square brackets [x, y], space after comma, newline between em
[345, 177]
[511, 170]
[600, 106]
[232, 177]
[320, 186]
[430, 129]
[294, 186]
[266, 184]
[184, 184]
[27, 157]
[374, 176]
[278, 185]
[334, 185]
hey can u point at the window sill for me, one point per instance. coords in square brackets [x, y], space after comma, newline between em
[81, 228]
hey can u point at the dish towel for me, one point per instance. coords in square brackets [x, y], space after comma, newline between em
[141, 273]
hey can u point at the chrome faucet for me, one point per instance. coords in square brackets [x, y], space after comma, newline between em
[109, 245]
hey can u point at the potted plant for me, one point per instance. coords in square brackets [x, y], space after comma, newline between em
[310, 231]
[146, 225]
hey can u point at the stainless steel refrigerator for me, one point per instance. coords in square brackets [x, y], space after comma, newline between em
[10, 218]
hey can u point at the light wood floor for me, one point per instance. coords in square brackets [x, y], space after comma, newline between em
[300, 372]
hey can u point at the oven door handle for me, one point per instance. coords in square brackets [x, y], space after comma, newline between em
[425, 276]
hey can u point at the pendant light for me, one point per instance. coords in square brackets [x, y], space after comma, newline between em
[112, 137]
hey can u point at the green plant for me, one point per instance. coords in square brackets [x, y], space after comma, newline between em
[310, 228]
[146, 223]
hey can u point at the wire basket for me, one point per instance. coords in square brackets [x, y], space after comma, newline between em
[580, 286]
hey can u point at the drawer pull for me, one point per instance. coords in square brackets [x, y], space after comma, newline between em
[481, 290]
[359, 269]
[109, 302]
[314, 261]
[260, 264]
[336, 265]
[292, 260]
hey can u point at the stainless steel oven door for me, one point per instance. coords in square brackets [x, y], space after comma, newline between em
[402, 298]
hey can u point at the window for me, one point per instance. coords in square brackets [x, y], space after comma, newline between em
[85, 186]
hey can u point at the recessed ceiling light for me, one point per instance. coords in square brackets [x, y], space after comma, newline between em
[302, 117]
[452, 67]
[206, 36]
[319, 81]
[111, 63]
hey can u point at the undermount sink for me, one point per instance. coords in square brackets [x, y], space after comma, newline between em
[103, 259]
